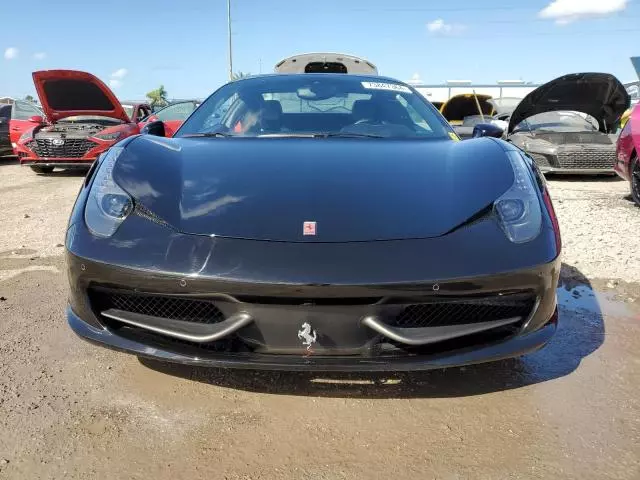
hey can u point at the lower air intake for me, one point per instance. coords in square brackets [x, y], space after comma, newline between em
[185, 309]
[465, 311]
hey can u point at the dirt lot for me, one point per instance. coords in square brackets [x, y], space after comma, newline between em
[71, 410]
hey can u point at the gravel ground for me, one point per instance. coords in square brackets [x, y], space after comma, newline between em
[71, 410]
[599, 224]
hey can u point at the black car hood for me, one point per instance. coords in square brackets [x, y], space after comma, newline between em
[354, 189]
[600, 95]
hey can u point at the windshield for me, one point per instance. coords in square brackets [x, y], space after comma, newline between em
[316, 104]
[128, 109]
[560, 121]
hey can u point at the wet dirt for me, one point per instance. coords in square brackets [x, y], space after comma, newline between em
[74, 411]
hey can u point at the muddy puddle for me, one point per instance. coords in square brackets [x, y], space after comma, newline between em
[585, 299]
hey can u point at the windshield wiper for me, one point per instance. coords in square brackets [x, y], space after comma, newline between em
[208, 134]
[347, 135]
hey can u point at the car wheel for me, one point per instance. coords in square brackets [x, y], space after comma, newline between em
[635, 180]
[42, 169]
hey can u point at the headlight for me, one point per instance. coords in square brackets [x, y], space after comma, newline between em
[108, 136]
[519, 208]
[108, 205]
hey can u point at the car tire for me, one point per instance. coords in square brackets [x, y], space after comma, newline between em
[635, 179]
[42, 169]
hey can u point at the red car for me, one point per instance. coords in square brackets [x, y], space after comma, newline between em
[628, 146]
[83, 119]
[14, 121]
[137, 111]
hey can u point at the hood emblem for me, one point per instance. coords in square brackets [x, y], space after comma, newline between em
[308, 336]
[309, 228]
[58, 142]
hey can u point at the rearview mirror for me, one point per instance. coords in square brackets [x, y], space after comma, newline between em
[487, 130]
[154, 128]
[36, 119]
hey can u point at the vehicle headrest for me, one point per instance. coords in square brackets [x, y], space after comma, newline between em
[272, 109]
[390, 109]
[363, 109]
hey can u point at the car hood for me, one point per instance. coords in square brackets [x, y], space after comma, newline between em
[600, 95]
[68, 93]
[353, 189]
[457, 108]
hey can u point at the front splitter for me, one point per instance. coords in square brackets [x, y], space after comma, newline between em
[512, 347]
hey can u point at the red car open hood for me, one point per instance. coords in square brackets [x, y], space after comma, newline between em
[67, 93]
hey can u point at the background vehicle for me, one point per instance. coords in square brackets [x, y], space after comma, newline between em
[83, 119]
[627, 164]
[463, 112]
[5, 118]
[504, 107]
[302, 184]
[569, 125]
[171, 116]
[137, 111]
[326, 63]
[15, 119]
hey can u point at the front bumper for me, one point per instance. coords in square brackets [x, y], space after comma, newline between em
[57, 163]
[512, 347]
[349, 324]
[577, 171]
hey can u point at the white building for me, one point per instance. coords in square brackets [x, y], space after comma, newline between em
[503, 88]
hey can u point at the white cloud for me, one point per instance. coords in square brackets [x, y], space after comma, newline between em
[116, 78]
[11, 53]
[567, 11]
[39, 56]
[439, 26]
[120, 73]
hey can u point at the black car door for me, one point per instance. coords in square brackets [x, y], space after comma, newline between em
[5, 118]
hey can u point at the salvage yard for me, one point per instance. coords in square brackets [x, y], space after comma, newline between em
[572, 410]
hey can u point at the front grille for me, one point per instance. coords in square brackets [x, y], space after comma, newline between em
[463, 311]
[185, 309]
[587, 157]
[71, 148]
[540, 159]
[572, 138]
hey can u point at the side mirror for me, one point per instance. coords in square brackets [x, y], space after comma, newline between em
[36, 119]
[487, 130]
[154, 128]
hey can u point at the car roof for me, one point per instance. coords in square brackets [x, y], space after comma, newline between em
[371, 78]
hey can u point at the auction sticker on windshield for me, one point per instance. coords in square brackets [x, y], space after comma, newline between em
[394, 87]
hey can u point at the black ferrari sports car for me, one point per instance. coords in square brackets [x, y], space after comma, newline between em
[314, 222]
[570, 125]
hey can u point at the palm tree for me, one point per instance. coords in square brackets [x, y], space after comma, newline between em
[158, 97]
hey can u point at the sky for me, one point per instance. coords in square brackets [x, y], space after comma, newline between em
[136, 45]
